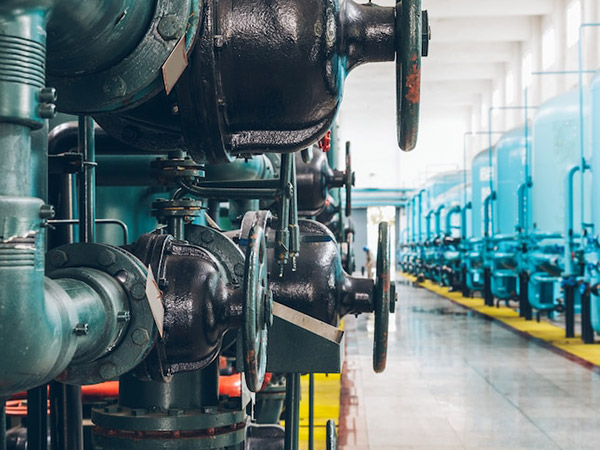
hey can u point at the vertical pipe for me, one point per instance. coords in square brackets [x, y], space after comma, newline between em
[87, 233]
[3, 425]
[292, 404]
[420, 214]
[587, 331]
[37, 419]
[58, 429]
[569, 220]
[87, 180]
[311, 411]
[569, 289]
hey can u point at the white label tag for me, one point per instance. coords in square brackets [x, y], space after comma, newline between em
[174, 66]
[154, 295]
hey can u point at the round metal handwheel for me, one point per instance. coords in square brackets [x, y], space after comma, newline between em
[257, 308]
[409, 49]
[382, 298]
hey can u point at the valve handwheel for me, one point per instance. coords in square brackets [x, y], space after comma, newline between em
[410, 46]
[382, 298]
[257, 307]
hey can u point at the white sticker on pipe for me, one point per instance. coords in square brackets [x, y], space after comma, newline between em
[154, 296]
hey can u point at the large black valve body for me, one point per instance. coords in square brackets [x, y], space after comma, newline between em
[319, 286]
[255, 77]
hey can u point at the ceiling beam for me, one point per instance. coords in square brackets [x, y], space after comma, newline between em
[498, 29]
[451, 72]
[487, 8]
[481, 52]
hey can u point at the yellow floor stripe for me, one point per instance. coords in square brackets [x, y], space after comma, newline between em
[327, 407]
[543, 331]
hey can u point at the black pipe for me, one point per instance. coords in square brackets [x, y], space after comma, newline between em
[569, 310]
[524, 305]
[3, 425]
[74, 418]
[587, 331]
[311, 411]
[58, 429]
[37, 419]
[292, 410]
[487, 287]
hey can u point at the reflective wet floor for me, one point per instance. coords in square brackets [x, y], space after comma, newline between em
[456, 380]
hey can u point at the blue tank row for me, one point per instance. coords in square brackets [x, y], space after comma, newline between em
[523, 226]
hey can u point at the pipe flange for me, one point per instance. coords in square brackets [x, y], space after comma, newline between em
[141, 333]
[138, 77]
[135, 428]
[186, 208]
[169, 170]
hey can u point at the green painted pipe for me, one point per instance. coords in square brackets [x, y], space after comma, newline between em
[44, 324]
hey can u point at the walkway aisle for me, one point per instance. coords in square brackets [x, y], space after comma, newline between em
[455, 380]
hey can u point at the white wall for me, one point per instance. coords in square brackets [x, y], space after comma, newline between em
[544, 87]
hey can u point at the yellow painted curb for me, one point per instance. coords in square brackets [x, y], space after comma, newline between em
[545, 332]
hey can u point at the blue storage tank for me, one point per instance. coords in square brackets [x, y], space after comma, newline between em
[435, 187]
[509, 174]
[555, 149]
[480, 188]
[593, 255]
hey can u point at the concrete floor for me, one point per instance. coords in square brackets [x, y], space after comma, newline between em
[455, 380]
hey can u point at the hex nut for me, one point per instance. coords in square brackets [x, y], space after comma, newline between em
[138, 291]
[169, 27]
[58, 258]
[108, 371]
[140, 336]
[106, 258]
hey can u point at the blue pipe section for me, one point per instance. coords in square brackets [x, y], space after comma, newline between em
[420, 213]
[451, 212]
[438, 221]
[487, 215]
[428, 225]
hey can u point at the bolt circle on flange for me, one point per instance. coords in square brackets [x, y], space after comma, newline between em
[131, 275]
[138, 77]
[382, 298]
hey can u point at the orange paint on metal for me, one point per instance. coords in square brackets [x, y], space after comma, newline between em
[413, 83]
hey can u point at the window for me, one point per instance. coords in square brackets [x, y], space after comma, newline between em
[527, 69]
[510, 87]
[549, 47]
[573, 22]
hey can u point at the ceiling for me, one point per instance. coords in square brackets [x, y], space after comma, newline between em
[472, 43]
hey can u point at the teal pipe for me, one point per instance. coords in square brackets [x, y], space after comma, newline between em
[487, 219]
[463, 219]
[419, 214]
[569, 181]
[412, 219]
[428, 225]
[454, 210]
[39, 317]
[438, 221]
[523, 213]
